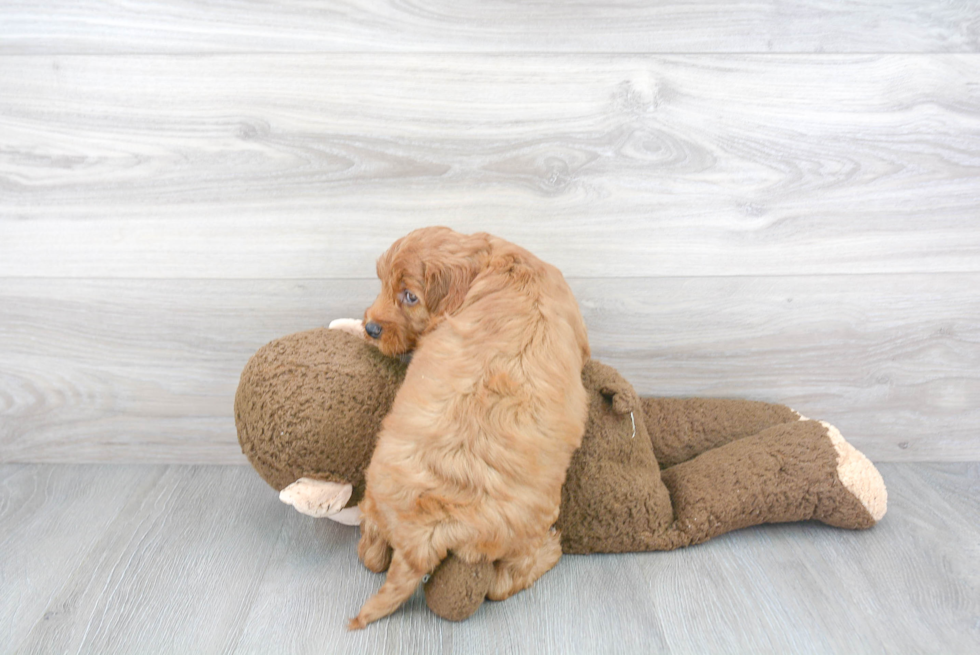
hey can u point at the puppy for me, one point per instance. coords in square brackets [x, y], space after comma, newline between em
[473, 454]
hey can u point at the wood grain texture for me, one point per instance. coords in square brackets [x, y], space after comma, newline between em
[498, 26]
[173, 572]
[146, 370]
[51, 519]
[307, 166]
[96, 370]
[206, 559]
[753, 199]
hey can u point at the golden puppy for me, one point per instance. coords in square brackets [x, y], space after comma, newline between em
[473, 454]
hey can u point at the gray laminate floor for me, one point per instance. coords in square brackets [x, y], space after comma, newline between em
[180, 559]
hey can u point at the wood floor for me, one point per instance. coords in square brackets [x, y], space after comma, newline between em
[181, 559]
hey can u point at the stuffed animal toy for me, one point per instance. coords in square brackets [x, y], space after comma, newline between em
[651, 473]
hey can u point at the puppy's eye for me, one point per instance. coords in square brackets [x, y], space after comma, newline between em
[408, 298]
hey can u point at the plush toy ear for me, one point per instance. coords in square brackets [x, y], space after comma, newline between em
[621, 395]
[317, 498]
[352, 326]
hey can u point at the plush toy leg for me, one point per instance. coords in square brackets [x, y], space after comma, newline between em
[790, 472]
[683, 428]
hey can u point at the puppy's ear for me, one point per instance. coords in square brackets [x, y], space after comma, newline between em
[447, 282]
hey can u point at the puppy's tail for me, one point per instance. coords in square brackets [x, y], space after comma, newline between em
[401, 583]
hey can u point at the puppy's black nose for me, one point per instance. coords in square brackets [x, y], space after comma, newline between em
[373, 330]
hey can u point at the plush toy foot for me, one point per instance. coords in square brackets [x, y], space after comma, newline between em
[456, 589]
[860, 477]
[348, 325]
[316, 498]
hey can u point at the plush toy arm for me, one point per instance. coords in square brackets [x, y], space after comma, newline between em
[683, 428]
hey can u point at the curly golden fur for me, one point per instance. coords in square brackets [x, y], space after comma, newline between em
[473, 454]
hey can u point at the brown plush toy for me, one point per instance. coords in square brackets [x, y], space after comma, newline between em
[651, 474]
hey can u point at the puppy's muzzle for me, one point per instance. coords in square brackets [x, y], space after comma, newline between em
[373, 330]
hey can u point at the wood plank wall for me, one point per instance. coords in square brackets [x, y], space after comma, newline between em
[767, 200]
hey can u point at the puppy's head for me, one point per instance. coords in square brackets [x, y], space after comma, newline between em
[424, 277]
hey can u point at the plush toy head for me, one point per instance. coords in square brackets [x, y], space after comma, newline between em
[310, 406]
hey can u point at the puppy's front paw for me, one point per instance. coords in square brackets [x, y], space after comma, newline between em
[348, 325]
[316, 497]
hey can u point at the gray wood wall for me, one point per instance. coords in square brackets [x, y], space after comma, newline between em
[769, 200]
